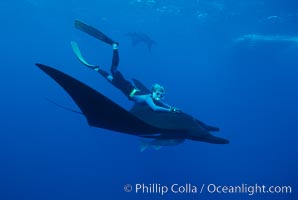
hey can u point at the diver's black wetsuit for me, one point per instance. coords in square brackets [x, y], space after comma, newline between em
[118, 79]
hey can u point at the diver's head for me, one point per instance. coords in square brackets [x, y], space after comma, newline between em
[158, 92]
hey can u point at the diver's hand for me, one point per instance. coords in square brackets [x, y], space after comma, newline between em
[175, 110]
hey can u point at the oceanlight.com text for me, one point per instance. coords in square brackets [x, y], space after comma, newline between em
[189, 188]
[249, 189]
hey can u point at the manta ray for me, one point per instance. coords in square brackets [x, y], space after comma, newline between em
[163, 128]
[139, 38]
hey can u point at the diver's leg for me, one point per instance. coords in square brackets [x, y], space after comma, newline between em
[115, 59]
[116, 78]
[105, 74]
[122, 84]
[114, 65]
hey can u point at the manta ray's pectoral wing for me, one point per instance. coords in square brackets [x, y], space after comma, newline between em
[100, 111]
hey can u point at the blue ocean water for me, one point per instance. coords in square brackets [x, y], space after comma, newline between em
[232, 64]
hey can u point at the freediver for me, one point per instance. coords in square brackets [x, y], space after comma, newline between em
[153, 99]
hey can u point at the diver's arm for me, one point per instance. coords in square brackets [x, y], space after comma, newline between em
[165, 104]
[154, 107]
[172, 109]
[148, 100]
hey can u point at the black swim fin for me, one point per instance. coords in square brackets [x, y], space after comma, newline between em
[93, 32]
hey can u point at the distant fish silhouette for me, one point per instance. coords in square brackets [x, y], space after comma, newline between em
[137, 38]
